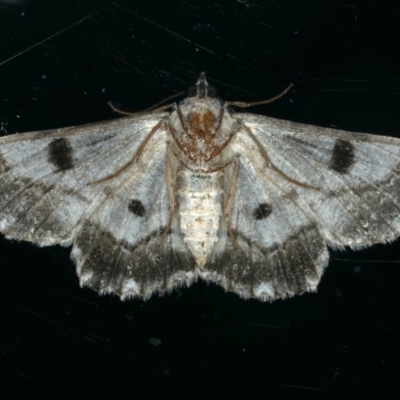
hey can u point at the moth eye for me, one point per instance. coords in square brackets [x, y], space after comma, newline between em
[211, 91]
[263, 211]
[136, 207]
[192, 91]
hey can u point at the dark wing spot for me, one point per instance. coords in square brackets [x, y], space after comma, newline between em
[263, 211]
[60, 154]
[342, 157]
[3, 165]
[136, 207]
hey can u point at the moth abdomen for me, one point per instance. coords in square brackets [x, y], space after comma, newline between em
[199, 196]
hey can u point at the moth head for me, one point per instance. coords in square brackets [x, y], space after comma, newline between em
[202, 90]
[201, 122]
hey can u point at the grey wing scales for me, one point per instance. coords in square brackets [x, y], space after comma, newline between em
[283, 250]
[44, 175]
[357, 176]
[48, 197]
[343, 190]
[118, 247]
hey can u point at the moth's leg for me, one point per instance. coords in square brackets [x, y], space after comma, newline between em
[221, 147]
[215, 168]
[161, 125]
[229, 204]
[221, 166]
[182, 146]
[139, 113]
[184, 163]
[218, 122]
[183, 122]
[268, 162]
[135, 157]
[243, 104]
[171, 197]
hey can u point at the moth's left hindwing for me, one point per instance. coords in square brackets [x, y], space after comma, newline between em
[49, 195]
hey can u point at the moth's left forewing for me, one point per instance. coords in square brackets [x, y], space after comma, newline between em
[356, 176]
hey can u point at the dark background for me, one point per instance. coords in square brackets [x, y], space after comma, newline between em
[60, 62]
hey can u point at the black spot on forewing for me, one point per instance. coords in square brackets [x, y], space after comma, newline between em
[60, 154]
[342, 156]
[136, 207]
[3, 165]
[263, 211]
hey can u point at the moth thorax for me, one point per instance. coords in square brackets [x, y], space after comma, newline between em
[201, 124]
[200, 197]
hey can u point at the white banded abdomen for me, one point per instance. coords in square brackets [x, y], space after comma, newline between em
[199, 196]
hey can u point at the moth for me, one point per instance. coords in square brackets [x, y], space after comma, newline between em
[156, 200]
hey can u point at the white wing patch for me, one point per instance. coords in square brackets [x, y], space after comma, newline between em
[155, 201]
